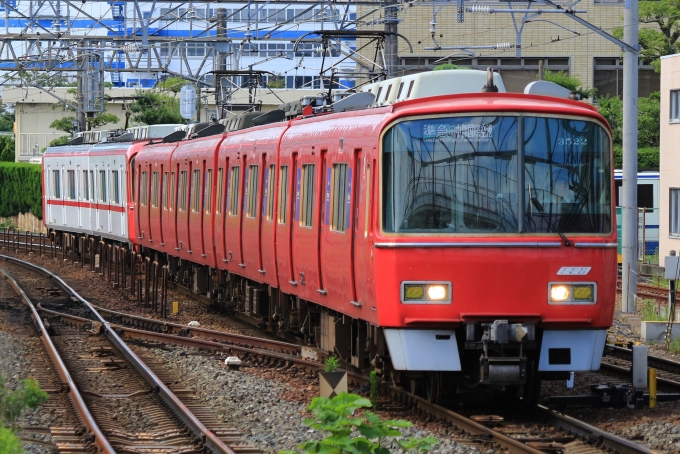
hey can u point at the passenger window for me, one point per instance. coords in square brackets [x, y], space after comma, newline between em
[233, 191]
[165, 191]
[368, 199]
[56, 184]
[173, 191]
[251, 208]
[144, 189]
[71, 181]
[307, 195]
[220, 175]
[207, 191]
[269, 195]
[86, 186]
[339, 212]
[154, 189]
[196, 192]
[183, 190]
[115, 188]
[283, 194]
[102, 186]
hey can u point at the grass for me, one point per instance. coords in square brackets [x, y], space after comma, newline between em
[659, 281]
[675, 346]
[651, 312]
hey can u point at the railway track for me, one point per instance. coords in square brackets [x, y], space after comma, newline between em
[104, 377]
[569, 434]
[620, 360]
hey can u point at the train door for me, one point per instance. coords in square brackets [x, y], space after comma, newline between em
[109, 200]
[284, 208]
[363, 233]
[305, 229]
[251, 218]
[63, 190]
[79, 196]
[338, 244]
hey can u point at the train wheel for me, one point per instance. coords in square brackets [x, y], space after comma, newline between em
[433, 386]
[395, 377]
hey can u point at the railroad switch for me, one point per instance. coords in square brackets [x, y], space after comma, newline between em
[610, 395]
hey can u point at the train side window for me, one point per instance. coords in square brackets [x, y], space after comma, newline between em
[645, 196]
[154, 189]
[102, 186]
[307, 195]
[71, 181]
[173, 192]
[196, 192]
[207, 192]
[338, 197]
[283, 194]
[233, 191]
[368, 199]
[182, 205]
[270, 192]
[220, 175]
[115, 187]
[56, 184]
[253, 172]
[86, 186]
[165, 191]
[92, 186]
[143, 188]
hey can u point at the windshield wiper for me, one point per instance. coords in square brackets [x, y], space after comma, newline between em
[539, 208]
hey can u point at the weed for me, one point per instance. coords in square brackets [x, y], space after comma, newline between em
[675, 346]
[332, 364]
[374, 387]
[650, 312]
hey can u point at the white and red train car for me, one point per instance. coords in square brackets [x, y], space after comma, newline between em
[463, 238]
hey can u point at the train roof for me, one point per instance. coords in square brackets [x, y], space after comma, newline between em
[643, 175]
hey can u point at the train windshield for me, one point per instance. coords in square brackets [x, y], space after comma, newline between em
[496, 174]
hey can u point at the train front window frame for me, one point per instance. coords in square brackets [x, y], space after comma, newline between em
[495, 143]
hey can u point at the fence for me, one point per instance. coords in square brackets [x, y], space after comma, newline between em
[647, 235]
[32, 144]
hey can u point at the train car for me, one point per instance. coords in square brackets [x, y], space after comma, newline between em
[648, 212]
[447, 241]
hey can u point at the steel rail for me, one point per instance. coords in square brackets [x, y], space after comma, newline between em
[208, 438]
[591, 433]
[84, 414]
[652, 361]
[203, 333]
[623, 370]
[581, 429]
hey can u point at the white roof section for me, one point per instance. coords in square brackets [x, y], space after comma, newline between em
[432, 83]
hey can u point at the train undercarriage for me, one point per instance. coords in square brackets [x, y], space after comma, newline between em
[494, 355]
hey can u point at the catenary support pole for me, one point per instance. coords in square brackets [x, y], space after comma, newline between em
[391, 40]
[630, 135]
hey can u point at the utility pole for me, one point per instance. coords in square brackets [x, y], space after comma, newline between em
[391, 40]
[80, 90]
[221, 53]
[630, 136]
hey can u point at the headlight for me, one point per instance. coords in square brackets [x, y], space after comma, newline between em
[425, 292]
[572, 293]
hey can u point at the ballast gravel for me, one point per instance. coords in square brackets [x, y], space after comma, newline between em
[268, 413]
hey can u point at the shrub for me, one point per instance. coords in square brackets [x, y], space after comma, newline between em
[12, 405]
[356, 434]
[7, 145]
[20, 189]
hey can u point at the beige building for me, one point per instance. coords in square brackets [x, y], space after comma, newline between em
[669, 166]
[557, 39]
[36, 110]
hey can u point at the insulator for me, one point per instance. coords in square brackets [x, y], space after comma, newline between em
[481, 9]
[504, 46]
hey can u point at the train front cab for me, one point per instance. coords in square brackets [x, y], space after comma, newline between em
[471, 275]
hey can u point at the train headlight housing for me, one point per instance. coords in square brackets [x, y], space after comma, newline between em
[425, 292]
[572, 293]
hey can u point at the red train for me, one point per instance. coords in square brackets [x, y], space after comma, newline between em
[457, 239]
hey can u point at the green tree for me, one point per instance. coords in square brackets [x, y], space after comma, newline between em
[571, 83]
[154, 107]
[661, 40]
[6, 118]
[611, 108]
[444, 66]
[173, 84]
[12, 406]
[348, 433]
[7, 146]
[65, 124]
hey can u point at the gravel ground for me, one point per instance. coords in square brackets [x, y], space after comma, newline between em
[285, 397]
[268, 406]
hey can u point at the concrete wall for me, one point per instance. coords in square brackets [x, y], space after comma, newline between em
[26, 222]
